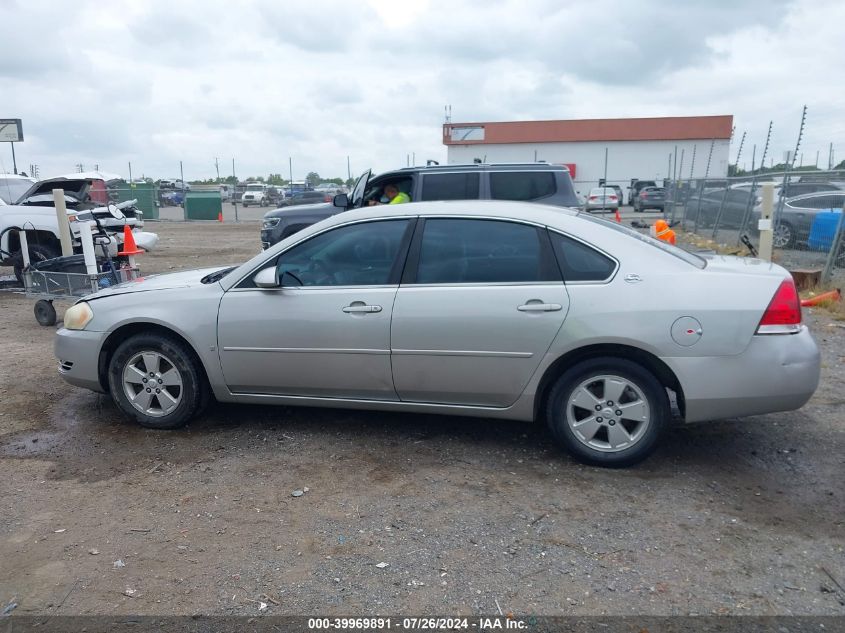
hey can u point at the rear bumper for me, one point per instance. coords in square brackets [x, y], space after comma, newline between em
[78, 353]
[775, 373]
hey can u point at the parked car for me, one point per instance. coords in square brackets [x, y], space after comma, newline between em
[255, 194]
[637, 186]
[13, 187]
[547, 184]
[307, 197]
[35, 212]
[799, 213]
[618, 190]
[793, 217]
[793, 189]
[175, 183]
[602, 199]
[478, 308]
[650, 198]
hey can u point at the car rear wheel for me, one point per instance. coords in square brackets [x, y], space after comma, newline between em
[608, 412]
[783, 236]
[155, 380]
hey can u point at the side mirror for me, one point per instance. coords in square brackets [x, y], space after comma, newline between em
[267, 278]
[115, 212]
[341, 200]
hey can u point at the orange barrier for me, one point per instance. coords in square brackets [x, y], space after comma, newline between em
[833, 295]
[129, 246]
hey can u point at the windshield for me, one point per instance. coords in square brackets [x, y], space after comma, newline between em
[690, 258]
[11, 189]
[255, 187]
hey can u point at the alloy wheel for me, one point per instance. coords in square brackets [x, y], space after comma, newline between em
[152, 383]
[608, 413]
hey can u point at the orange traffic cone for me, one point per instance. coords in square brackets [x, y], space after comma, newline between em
[833, 295]
[618, 217]
[129, 246]
[219, 216]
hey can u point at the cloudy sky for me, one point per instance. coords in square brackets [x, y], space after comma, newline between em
[155, 82]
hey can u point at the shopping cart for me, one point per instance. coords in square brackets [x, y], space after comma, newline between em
[47, 286]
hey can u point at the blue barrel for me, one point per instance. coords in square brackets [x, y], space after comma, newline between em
[823, 230]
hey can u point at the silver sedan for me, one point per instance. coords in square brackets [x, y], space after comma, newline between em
[478, 308]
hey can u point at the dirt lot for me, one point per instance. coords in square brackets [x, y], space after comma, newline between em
[100, 516]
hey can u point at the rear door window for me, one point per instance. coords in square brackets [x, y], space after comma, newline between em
[455, 251]
[463, 186]
[522, 185]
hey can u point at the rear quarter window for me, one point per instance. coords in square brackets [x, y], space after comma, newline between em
[579, 262]
[522, 185]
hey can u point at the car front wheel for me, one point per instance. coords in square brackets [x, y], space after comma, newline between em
[155, 380]
[608, 412]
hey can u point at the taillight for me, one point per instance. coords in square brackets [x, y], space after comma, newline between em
[783, 316]
[593, 197]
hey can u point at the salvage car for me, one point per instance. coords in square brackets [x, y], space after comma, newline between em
[475, 308]
[13, 187]
[86, 197]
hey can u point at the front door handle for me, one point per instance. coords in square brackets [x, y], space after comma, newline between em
[360, 306]
[535, 305]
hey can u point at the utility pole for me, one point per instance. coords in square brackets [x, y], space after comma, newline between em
[234, 187]
[290, 165]
[604, 180]
[130, 172]
[217, 167]
[348, 169]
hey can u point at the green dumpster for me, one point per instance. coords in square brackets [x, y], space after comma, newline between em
[146, 193]
[203, 205]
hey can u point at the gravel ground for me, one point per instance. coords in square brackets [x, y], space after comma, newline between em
[100, 516]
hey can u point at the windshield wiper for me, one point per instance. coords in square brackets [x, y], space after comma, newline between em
[217, 276]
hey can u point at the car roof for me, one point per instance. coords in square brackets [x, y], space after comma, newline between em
[816, 194]
[470, 167]
[603, 234]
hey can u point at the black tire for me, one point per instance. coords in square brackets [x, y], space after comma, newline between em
[193, 392]
[647, 436]
[37, 253]
[45, 313]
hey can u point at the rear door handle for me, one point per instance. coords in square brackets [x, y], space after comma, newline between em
[532, 306]
[360, 306]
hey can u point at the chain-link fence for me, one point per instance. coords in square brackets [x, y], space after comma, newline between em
[807, 216]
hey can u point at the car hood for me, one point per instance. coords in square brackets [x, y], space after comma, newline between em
[148, 283]
[304, 209]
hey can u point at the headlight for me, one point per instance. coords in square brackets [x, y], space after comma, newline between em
[78, 316]
[269, 223]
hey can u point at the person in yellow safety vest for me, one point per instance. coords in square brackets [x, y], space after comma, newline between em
[661, 231]
[393, 195]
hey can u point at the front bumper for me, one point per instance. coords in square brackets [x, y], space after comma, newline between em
[78, 352]
[774, 373]
[268, 237]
